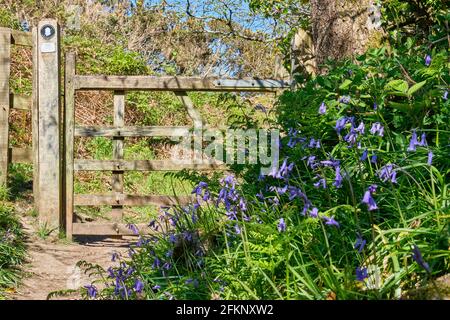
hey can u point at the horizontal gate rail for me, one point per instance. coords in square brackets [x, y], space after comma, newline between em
[131, 131]
[152, 83]
[20, 155]
[144, 165]
[129, 200]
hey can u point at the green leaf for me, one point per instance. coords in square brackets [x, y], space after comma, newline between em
[416, 87]
[345, 84]
[397, 85]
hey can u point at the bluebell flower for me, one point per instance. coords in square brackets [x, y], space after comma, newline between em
[156, 263]
[374, 158]
[427, 60]
[417, 257]
[340, 124]
[368, 200]
[361, 274]
[364, 155]
[237, 229]
[330, 221]
[114, 256]
[322, 108]
[430, 158]
[314, 213]
[377, 128]
[156, 287]
[360, 243]
[423, 140]
[388, 173]
[133, 228]
[445, 96]
[138, 286]
[375, 106]
[91, 291]
[322, 182]
[413, 141]
[338, 178]
[345, 99]
[281, 225]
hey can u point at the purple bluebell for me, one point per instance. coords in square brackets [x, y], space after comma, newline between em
[237, 229]
[413, 142]
[427, 60]
[388, 172]
[114, 256]
[375, 106]
[259, 106]
[338, 178]
[330, 221]
[359, 244]
[133, 228]
[311, 162]
[340, 124]
[167, 266]
[377, 128]
[374, 158]
[281, 225]
[361, 273]
[368, 200]
[423, 140]
[156, 287]
[430, 158]
[445, 95]
[364, 155]
[295, 192]
[314, 213]
[321, 182]
[361, 128]
[417, 257]
[323, 108]
[138, 286]
[198, 189]
[345, 99]
[91, 291]
[156, 263]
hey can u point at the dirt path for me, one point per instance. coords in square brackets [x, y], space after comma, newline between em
[51, 263]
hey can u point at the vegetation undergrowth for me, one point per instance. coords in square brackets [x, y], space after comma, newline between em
[357, 209]
[12, 248]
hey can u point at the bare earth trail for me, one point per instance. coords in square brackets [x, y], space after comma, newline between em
[51, 263]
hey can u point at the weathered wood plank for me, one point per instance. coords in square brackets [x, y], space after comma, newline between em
[21, 38]
[69, 123]
[50, 204]
[143, 165]
[129, 200]
[189, 105]
[153, 83]
[106, 229]
[35, 119]
[131, 131]
[5, 70]
[117, 176]
[20, 155]
[20, 101]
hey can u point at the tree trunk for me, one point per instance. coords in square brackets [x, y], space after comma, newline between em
[340, 28]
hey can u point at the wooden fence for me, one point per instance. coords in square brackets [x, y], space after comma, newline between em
[9, 101]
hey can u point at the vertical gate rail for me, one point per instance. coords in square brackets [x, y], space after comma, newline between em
[9, 101]
[119, 85]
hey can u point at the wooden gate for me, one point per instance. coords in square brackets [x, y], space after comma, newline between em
[120, 85]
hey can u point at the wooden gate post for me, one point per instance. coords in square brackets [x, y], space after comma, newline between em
[49, 113]
[5, 45]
